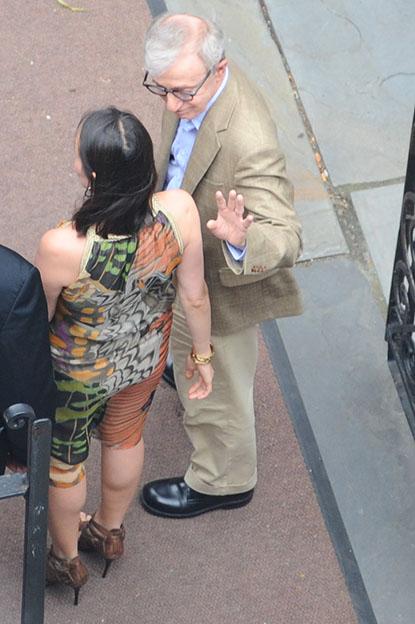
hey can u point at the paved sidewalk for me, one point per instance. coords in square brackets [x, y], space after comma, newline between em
[336, 455]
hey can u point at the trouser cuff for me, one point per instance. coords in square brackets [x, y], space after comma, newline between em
[203, 487]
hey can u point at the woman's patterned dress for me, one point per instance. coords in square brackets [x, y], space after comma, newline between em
[109, 335]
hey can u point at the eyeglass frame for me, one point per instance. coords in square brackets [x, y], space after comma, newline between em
[166, 91]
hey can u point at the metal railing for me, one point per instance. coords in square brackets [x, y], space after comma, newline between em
[400, 325]
[33, 485]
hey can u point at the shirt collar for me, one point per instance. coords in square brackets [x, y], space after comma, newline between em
[196, 122]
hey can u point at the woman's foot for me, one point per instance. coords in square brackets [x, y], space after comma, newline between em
[108, 543]
[70, 572]
[84, 518]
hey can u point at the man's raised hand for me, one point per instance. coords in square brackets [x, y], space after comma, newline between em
[230, 224]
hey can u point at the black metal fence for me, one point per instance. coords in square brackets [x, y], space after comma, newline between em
[33, 485]
[400, 326]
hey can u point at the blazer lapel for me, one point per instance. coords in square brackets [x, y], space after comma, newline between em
[207, 143]
[204, 151]
[168, 132]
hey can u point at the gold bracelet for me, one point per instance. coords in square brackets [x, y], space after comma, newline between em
[200, 359]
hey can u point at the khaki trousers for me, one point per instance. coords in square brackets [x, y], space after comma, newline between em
[221, 427]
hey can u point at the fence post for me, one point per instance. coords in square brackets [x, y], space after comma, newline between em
[400, 325]
[36, 496]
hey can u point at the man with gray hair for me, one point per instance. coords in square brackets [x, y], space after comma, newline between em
[220, 144]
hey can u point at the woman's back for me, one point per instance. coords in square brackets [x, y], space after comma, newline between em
[109, 323]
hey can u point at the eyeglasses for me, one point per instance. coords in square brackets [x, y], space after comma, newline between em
[181, 94]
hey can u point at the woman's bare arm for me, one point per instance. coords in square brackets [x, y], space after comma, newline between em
[192, 288]
[58, 259]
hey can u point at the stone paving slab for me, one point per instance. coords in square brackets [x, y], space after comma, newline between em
[250, 45]
[379, 213]
[354, 66]
[322, 236]
[338, 354]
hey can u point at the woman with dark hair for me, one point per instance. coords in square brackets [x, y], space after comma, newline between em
[110, 276]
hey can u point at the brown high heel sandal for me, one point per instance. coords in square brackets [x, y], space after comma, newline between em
[109, 544]
[70, 572]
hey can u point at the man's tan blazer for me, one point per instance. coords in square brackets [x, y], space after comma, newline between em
[237, 148]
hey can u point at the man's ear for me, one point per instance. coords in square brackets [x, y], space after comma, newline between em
[220, 67]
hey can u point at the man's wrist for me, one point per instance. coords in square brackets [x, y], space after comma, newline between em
[237, 253]
[240, 245]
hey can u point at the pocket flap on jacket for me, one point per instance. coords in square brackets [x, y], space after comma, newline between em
[229, 278]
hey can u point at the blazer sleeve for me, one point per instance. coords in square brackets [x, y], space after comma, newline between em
[274, 239]
[25, 361]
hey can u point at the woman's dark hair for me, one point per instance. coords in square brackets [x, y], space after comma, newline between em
[116, 153]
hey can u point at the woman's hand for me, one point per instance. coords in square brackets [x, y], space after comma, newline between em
[203, 385]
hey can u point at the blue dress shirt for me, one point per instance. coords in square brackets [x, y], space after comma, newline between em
[181, 150]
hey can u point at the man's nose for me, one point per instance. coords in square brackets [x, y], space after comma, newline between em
[172, 103]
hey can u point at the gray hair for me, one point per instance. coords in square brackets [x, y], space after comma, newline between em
[170, 33]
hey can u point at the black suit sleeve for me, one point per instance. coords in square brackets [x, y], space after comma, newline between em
[25, 362]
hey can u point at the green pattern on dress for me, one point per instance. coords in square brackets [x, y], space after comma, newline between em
[81, 404]
[110, 262]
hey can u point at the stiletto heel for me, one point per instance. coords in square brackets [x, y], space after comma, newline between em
[107, 567]
[76, 590]
[108, 543]
[70, 572]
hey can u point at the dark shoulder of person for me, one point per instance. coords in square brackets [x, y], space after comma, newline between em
[25, 361]
[14, 272]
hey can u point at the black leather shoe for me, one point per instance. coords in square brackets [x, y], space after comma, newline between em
[168, 376]
[173, 498]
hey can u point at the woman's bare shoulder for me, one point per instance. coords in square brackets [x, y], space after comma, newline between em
[176, 200]
[62, 243]
[63, 234]
[181, 206]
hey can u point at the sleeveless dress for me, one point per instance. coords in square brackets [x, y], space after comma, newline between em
[109, 336]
